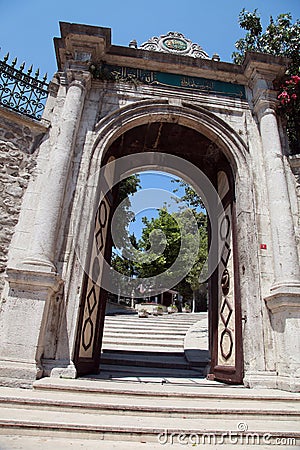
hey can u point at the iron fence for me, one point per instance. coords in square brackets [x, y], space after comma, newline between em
[20, 91]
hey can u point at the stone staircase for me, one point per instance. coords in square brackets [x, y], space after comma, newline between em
[93, 414]
[134, 404]
[152, 347]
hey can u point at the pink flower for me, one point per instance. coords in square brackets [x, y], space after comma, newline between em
[294, 96]
[295, 78]
[283, 95]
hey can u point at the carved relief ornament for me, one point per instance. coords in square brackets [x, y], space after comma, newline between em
[175, 43]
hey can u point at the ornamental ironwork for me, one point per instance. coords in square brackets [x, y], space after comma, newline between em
[174, 42]
[20, 91]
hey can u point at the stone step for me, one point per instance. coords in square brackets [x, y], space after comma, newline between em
[117, 371]
[170, 318]
[9, 442]
[151, 320]
[145, 359]
[165, 407]
[146, 347]
[142, 411]
[147, 331]
[174, 343]
[137, 427]
[138, 336]
[144, 337]
[201, 392]
[147, 326]
[142, 331]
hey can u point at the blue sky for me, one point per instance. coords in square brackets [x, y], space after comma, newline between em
[27, 27]
[158, 185]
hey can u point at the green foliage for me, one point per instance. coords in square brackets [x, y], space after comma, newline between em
[156, 262]
[124, 189]
[281, 38]
[161, 241]
[190, 197]
[167, 223]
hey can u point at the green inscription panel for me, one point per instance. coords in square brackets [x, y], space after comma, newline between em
[139, 76]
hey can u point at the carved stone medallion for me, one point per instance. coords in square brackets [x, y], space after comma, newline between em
[174, 42]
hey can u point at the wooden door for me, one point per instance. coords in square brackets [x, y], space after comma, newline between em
[225, 312]
[93, 299]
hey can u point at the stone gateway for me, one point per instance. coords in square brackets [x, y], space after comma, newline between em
[113, 111]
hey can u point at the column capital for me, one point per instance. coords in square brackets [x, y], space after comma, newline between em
[265, 102]
[262, 69]
[80, 78]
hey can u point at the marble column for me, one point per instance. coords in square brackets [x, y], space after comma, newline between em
[284, 245]
[44, 234]
[34, 287]
[283, 301]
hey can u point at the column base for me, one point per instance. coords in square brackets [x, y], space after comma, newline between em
[19, 373]
[284, 296]
[271, 380]
[30, 281]
[63, 368]
[38, 264]
[260, 380]
[23, 320]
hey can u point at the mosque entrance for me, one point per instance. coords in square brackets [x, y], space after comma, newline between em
[158, 141]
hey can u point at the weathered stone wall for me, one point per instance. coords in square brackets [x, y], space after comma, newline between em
[19, 137]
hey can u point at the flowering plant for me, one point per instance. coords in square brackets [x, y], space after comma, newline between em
[289, 109]
[281, 38]
[289, 94]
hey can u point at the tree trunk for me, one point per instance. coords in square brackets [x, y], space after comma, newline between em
[194, 301]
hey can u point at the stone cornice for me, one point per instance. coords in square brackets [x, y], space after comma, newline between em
[82, 45]
[264, 66]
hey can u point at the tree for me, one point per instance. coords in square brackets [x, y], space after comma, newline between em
[194, 276]
[191, 199]
[189, 203]
[162, 236]
[281, 38]
[123, 190]
[167, 249]
[167, 243]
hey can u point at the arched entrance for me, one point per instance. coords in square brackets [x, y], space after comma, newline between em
[174, 138]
